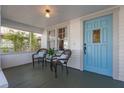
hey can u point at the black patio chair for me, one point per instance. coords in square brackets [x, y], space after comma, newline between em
[48, 58]
[62, 60]
[39, 56]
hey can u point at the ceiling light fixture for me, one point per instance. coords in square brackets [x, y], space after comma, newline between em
[47, 13]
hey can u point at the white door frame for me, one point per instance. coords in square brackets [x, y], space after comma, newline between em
[115, 12]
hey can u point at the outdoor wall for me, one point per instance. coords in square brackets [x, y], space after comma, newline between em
[75, 41]
[121, 43]
[44, 39]
[75, 44]
[11, 60]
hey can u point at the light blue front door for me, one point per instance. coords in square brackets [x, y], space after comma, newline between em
[98, 45]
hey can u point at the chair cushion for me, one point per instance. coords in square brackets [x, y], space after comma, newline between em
[63, 56]
[40, 54]
[36, 56]
[59, 52]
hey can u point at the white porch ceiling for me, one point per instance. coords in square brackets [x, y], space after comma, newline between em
[32, 14]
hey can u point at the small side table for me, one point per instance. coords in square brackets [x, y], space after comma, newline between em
[53, 64]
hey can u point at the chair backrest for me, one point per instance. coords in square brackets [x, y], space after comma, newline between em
[68, 53]
[42, 50]
[59, 52]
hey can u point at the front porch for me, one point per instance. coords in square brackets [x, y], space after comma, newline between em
[103, 33]
[25, 76]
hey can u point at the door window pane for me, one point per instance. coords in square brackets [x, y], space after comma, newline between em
[96, 36]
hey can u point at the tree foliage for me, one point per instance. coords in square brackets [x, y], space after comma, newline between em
[34, 42]
[17, 38]
[20, 41]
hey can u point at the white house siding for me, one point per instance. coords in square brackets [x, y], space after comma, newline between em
[44, 39]
[121, 43]
[75, 41]
[0, 29]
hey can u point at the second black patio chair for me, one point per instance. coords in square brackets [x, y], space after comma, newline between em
[62, 60]
[48, 58]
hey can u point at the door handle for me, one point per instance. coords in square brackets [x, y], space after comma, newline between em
[85, 48]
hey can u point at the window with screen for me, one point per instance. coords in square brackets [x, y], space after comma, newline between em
[15, 40]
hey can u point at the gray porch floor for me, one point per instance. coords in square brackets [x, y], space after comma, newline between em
[26, 77]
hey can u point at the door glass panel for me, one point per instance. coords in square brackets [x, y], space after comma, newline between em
[96, 36]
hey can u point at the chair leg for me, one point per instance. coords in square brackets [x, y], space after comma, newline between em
[38, 61]
[33, 62]
[66, 69]
[45, 63]
[42, 65]
[62, 67]
[51, 66]
[55, 67]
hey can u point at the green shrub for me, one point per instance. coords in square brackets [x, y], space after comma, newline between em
[51, 52]
[5, 49]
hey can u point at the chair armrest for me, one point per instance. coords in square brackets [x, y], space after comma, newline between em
[57, 55]
[34, 54]
[54, 58]
[62, 59]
